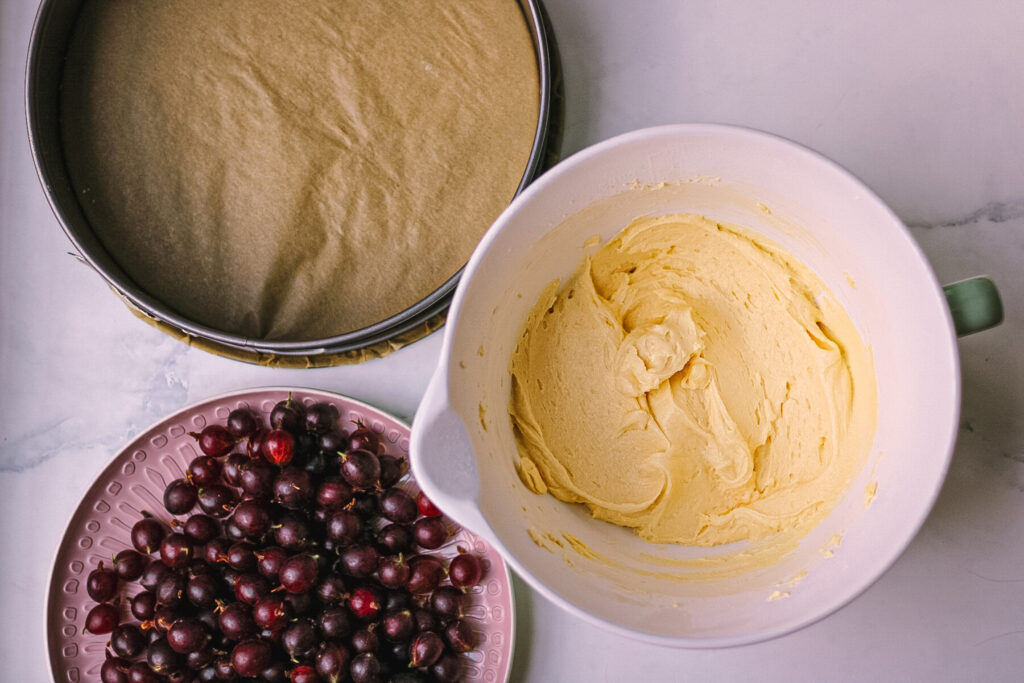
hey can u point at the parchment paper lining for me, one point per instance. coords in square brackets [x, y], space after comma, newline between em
[288, 188]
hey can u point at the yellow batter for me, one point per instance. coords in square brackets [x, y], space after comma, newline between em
[695, 382]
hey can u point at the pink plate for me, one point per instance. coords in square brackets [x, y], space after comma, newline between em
[135, 480]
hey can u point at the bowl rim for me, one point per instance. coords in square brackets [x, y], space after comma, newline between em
[946, 345]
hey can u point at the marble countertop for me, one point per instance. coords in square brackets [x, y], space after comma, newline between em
[922, 100]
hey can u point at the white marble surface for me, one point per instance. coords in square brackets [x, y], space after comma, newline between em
[923, 100]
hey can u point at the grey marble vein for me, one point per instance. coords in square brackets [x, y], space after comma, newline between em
[37, 446]
[146, 396]
[993, 212]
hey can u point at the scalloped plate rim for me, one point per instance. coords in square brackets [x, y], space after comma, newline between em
[49, 601]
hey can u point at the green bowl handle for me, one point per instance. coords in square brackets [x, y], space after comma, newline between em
[975, 305]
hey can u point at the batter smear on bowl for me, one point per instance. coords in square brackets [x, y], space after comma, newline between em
[695, 382]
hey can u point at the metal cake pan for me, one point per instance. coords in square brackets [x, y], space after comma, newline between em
[54, 22]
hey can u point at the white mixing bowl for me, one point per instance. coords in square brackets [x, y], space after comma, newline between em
[463, 451]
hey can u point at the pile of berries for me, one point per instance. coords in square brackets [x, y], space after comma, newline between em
[294, 554]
